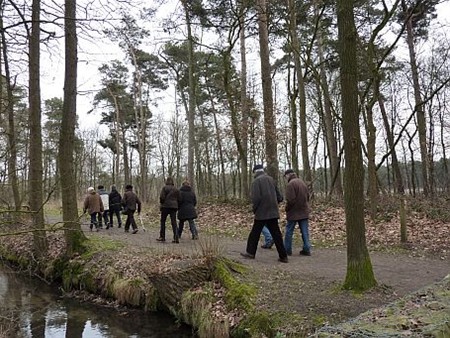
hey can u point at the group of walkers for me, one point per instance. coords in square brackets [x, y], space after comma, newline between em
[102, 207]
[181, 203]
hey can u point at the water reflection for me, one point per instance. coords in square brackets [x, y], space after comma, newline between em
[42, 313]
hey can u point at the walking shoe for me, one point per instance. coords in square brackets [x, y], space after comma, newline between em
[266, 246]
[135, 231]
[283, 260]
[107, 227]
[160, 239]
[110, 225]
[195, 237]
[289, 253]
[120, 225]
[247, 255]
[175, 241]
[305, 253]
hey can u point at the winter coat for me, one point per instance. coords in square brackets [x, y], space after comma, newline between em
[115, 200]
[169, 197]
[265, 197]
[93, 203]
[186, 206]
[105, 198]
[297, 198]
[130, 200]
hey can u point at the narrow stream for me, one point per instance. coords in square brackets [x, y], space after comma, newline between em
[32, 309]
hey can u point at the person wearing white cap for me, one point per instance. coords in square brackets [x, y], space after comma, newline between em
[94, 206]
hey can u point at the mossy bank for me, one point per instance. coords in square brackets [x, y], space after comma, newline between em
[199, 289]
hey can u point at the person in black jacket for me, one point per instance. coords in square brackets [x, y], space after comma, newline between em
[115, 206]
[186, 209]
[129, 201]
[168, 199]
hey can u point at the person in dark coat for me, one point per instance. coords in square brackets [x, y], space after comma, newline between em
[265, 198]
[129, 202]
[115, 206]
[168, 199]
[186, 209]
[297, 211]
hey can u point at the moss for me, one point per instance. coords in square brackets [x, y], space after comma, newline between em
[360, 275]
[256, 324]
[238, 295]
[98, 244]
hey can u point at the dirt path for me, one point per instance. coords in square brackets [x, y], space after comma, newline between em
[306, 285]
[398, 271]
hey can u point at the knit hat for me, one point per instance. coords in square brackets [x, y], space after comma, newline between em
[288, 171]
[258, 167]
[90, 189]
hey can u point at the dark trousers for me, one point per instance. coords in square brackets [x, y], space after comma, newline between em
[130, 220]
[112, 212]
[106, 217]
[94, 222]
[274, 229]
[173, 220]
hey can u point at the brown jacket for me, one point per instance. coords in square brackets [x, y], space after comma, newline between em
[93, 203]
[130, 200]
[297, 198]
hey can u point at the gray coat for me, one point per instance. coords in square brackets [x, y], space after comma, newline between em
[265, 197]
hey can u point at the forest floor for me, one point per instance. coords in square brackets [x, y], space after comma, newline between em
[309, 287]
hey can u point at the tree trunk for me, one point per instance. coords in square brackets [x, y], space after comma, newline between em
[220, 148]
[420, 114]
[328, 123]
[269, 119]
[36, 172]
[301, 90]
[192, 104]
[73, 234]
[12, 159]
[359, 267]
[141, 124]
[292, 89]
[245, 187]
[399, 187]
